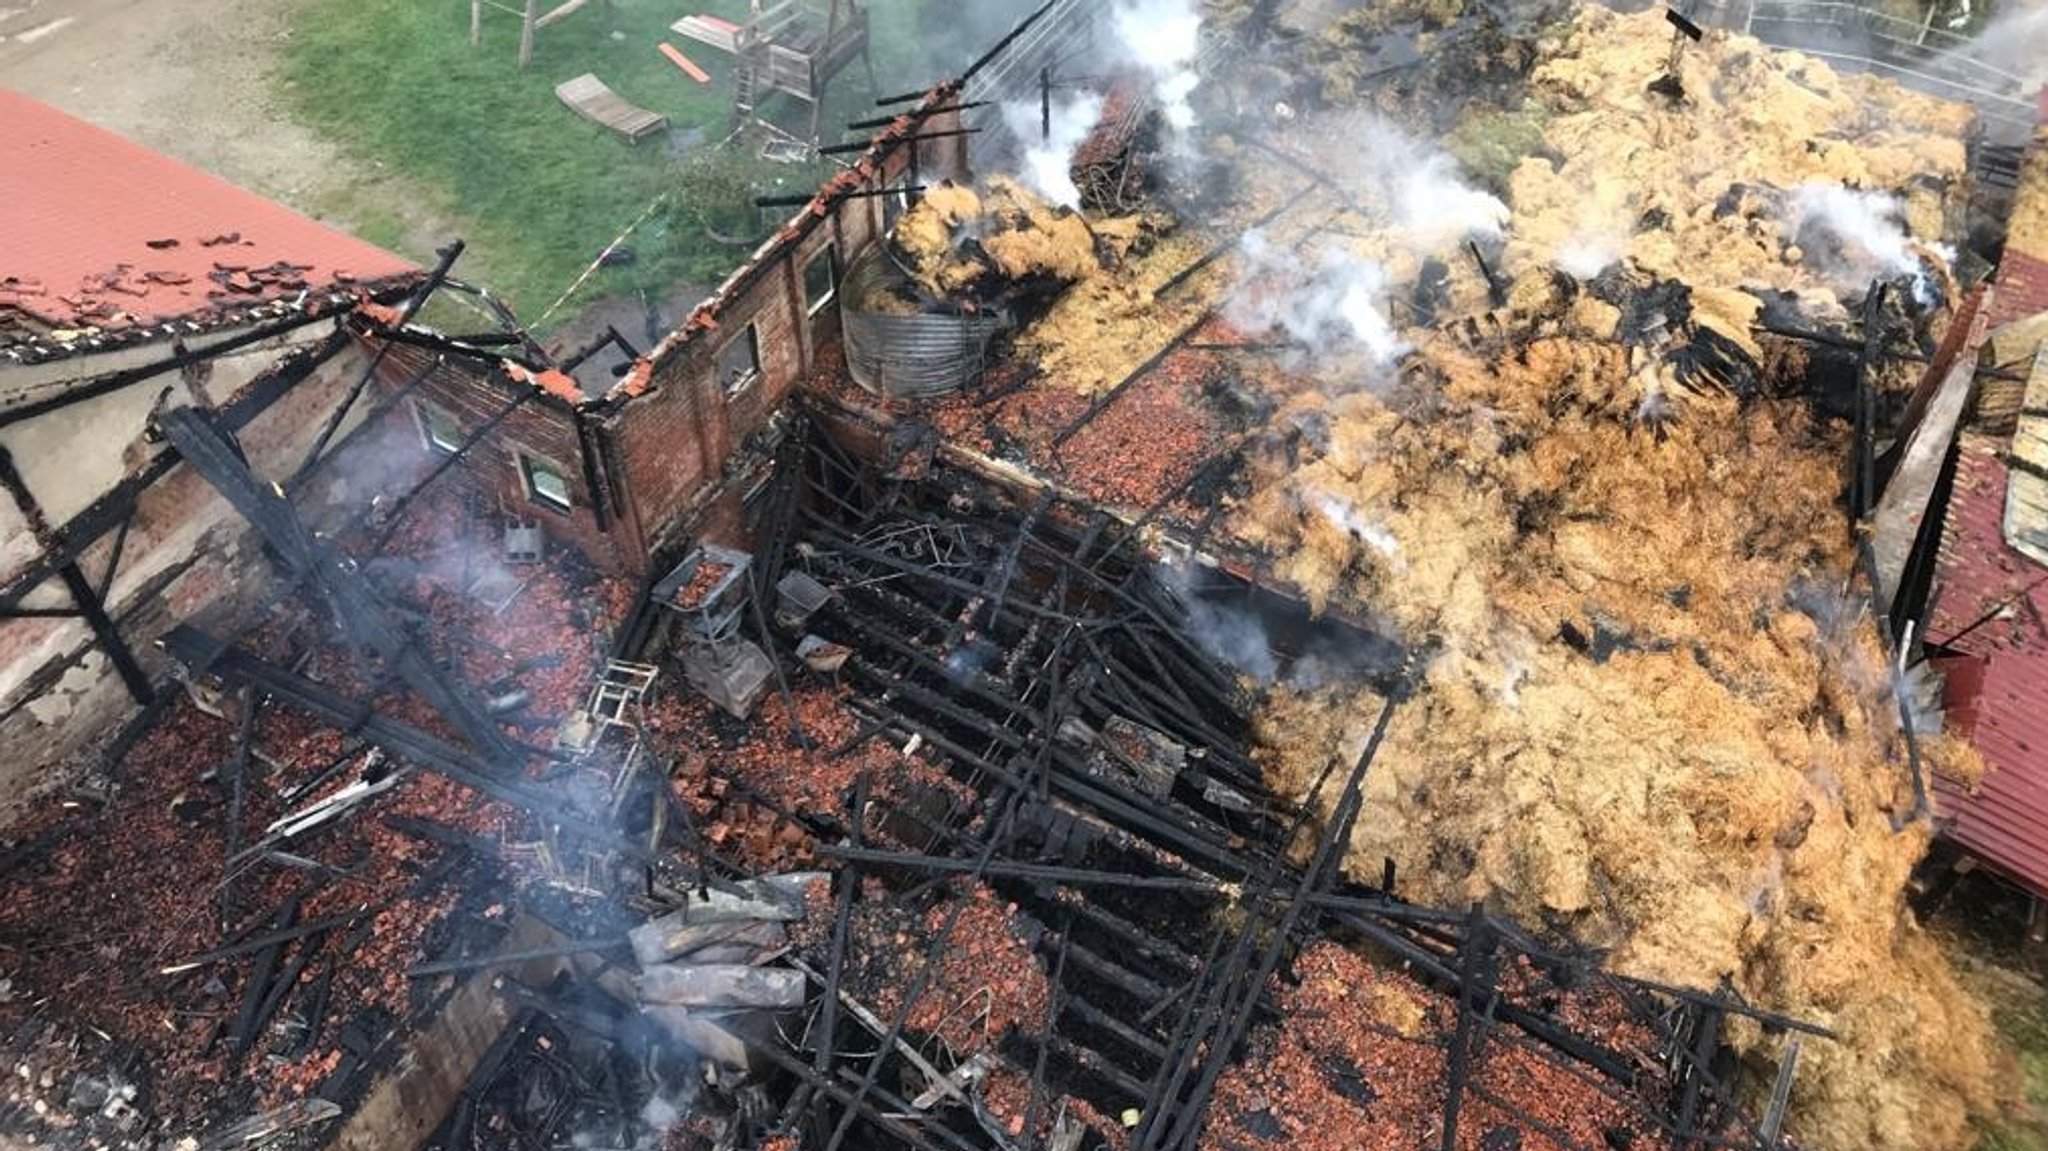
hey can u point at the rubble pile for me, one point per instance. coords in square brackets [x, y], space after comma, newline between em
[1359, 1061]
[1552, 447]
[145, 875]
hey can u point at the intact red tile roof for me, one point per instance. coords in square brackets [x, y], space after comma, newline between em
[98, 232]
[1998, 687]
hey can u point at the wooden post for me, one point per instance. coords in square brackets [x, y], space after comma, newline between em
[526, 33]
[476, 22]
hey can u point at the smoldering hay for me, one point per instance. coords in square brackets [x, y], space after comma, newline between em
[1659, 719]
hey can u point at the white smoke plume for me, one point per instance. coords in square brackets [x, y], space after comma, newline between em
[1588, 253]
[1427, 201]
[1236, 637]
[1163, 37]
[2016, 43]
[1866, 232]
[1048, 165]
[1346, 516]
[1331, 304]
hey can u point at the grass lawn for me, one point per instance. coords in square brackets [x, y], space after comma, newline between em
[536, 190]
[2019, 1008]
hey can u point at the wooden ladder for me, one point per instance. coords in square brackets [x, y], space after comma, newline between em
[746, 84]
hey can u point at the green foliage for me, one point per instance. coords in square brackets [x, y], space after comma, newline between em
[1490, 142]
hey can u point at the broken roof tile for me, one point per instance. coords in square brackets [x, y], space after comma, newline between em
[82, 200]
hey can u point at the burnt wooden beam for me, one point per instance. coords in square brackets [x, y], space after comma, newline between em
[115, 381]
[1053, 1011]
[1103, 402]
[297, 484]
[1863, 488]
[413, 304]
[268, 949]
[885, 121]
[83, 595]
[862, 146]
[237, 771]
[396, 517]
[1224, 248]
[360, 608]
[117, 506]
[1475, 975]
[1037, 872]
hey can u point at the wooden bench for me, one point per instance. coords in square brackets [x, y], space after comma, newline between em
[594, 100]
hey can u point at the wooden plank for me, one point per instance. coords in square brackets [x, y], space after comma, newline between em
[720, 34]
[560, 12]
[676, 57]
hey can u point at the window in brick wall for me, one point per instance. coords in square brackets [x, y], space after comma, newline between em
[545, 483]
[438, 427]
[821, 279]
[740, 363]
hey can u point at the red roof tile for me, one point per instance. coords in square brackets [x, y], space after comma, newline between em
[2001, 695]
[101, 232]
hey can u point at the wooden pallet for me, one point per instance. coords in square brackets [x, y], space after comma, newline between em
[594, 100]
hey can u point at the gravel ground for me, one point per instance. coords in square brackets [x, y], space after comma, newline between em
[192, 78]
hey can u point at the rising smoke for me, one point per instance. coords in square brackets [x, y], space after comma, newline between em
[1163, 37]
[1048, 161]
[1588, 253]
[2015, 43]
[1426, 201]
[1336, 301]
[1332, 304]
[1159, 38]
[1234, 636]
[1359, 526]
[1858, 236]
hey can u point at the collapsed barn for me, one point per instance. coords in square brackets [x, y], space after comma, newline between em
[1172, 640]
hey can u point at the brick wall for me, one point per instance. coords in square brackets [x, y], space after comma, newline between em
[683, 441]
[542, 431]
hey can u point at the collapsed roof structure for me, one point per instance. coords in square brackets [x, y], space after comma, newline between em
[1119, 625]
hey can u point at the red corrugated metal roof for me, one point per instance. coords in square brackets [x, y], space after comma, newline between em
[97, 231]
[1978, 576]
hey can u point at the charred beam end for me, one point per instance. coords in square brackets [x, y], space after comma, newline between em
[849, 149]
[885, 121]
[412, 308]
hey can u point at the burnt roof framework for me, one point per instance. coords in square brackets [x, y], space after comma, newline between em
[1028, 626]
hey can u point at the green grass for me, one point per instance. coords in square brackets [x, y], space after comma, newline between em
[2023, 1020]
[536, 190]
[2019, 1010]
